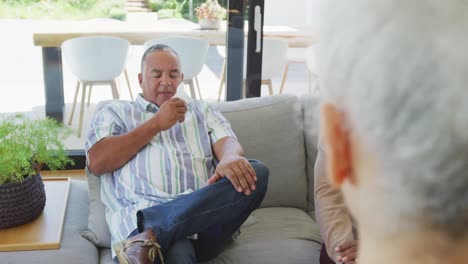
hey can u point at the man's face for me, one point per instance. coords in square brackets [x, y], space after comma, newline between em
[160, 76]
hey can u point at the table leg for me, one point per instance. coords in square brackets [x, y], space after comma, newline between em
[53, 82]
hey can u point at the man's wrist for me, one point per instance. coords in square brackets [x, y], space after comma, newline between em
[229, 156]
[155, 124]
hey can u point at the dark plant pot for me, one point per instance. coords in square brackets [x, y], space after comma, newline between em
[23, 202]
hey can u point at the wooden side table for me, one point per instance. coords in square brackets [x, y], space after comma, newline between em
[46, 231]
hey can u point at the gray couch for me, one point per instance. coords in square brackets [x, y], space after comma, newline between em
[281, 131]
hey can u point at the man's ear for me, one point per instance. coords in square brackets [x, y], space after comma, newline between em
[140, 79]
[337, 144]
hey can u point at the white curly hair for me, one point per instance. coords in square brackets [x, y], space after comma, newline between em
[398, 69]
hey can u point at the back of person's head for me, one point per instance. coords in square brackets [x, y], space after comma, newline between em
[397, 73]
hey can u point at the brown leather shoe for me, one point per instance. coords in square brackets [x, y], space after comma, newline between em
[139, 249]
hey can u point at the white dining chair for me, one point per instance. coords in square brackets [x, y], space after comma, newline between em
[294, 56]
[94, 61]
[105, 21]
[192, 53]
[274, 61]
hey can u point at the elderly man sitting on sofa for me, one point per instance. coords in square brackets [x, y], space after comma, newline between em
[158, 154]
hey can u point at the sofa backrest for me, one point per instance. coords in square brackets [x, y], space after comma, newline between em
[271, 130]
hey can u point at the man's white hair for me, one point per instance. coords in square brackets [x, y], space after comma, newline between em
[398, 69]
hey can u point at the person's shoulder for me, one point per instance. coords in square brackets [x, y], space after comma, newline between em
[114, 107]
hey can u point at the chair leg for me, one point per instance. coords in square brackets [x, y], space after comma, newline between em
[221, 79]
[270, 87]
[115, 92]
[192, 89]
[83, 100]
[198, 88]
[285, 75]
[128, 83]
[70, 119]
[89, 94]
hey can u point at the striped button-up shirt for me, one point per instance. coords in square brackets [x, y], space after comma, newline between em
[176, 161]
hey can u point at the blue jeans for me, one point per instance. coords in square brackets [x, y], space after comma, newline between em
[181, 252]
[214, 212]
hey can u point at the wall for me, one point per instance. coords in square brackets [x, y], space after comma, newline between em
[294, 13]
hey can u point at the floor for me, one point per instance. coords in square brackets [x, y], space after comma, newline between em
[23, 89]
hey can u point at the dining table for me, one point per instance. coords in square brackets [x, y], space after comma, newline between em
[51, 38]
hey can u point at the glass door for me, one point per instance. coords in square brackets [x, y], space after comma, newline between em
[244, 53]
[253, 78]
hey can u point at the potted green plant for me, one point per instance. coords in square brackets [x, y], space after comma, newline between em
[210, 14]
[25, 146]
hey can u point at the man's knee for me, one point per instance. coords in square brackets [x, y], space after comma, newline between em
[261, 171]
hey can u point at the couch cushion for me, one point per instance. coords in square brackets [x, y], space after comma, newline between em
[105, 256]
[273, 235]
[73, 248]
[271, 130]
[281, 235]
[98, 230]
